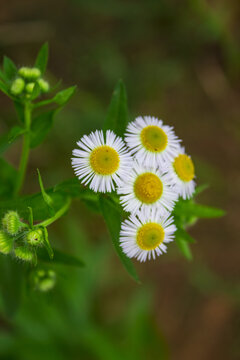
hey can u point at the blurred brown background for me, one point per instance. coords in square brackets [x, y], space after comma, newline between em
[180, 61]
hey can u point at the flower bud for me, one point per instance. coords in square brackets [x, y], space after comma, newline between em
[6, 243]
[35, 237]
[35, 73]
[23, 253]
[11, 222]
[29, 73]
[44, 85]
[17, 86]
[29, 87]
[44, 280]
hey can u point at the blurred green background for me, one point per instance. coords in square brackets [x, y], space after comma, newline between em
[180, 61]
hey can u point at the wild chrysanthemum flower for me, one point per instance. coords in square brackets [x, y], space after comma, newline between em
[101, 163]
[182, 173]
[144, 236]
[150, 141]
[147, 187]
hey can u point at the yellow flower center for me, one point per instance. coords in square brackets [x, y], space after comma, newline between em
[154, 138]
[184, 167]
[148, 188]
[150, 236]
[104, 160]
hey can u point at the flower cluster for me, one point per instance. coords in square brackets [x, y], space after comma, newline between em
[149, 171]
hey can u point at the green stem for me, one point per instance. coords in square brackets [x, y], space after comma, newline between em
[58, 214]
[25, 149]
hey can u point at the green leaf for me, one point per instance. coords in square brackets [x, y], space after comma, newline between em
[11, 284]
[48, 200]
[42, 58]
[36, 202]
[183, 247]
[117, 115]
[19, 110]
[14, 133]
[9, 68]
[7, 178]
[112, 217]
[74, 189]
[181, 233]
[62, 97]
[60, 258]
[3, 76]
[4, 88]
[7, 139]
[199, 189]
[41, 126]
[189, 208]
[47, 243]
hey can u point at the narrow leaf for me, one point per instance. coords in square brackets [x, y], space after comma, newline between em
[181, 233]
[7, 179]
[48, 200]
[42, 58]
[189, 208]
[112, 217]
[9, 68]
[41, 126]
[184, 247]
[62, 97]
[117, 115]
[4, 88]
[7, 139]
[19, 110]
[199, 189]
[60, 258]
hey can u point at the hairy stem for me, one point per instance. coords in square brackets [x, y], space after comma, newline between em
[25, 149]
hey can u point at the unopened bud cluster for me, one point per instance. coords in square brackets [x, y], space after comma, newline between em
[18, 239]
[26, 81]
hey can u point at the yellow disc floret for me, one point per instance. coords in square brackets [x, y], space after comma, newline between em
[184, 167]
[104, 160]
[150, 236]
[154, 138]
[148, 188]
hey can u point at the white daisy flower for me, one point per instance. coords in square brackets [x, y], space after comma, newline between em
[144, 236]
[100, 163]
[150, 141]
[147, 187]
[182, 173]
